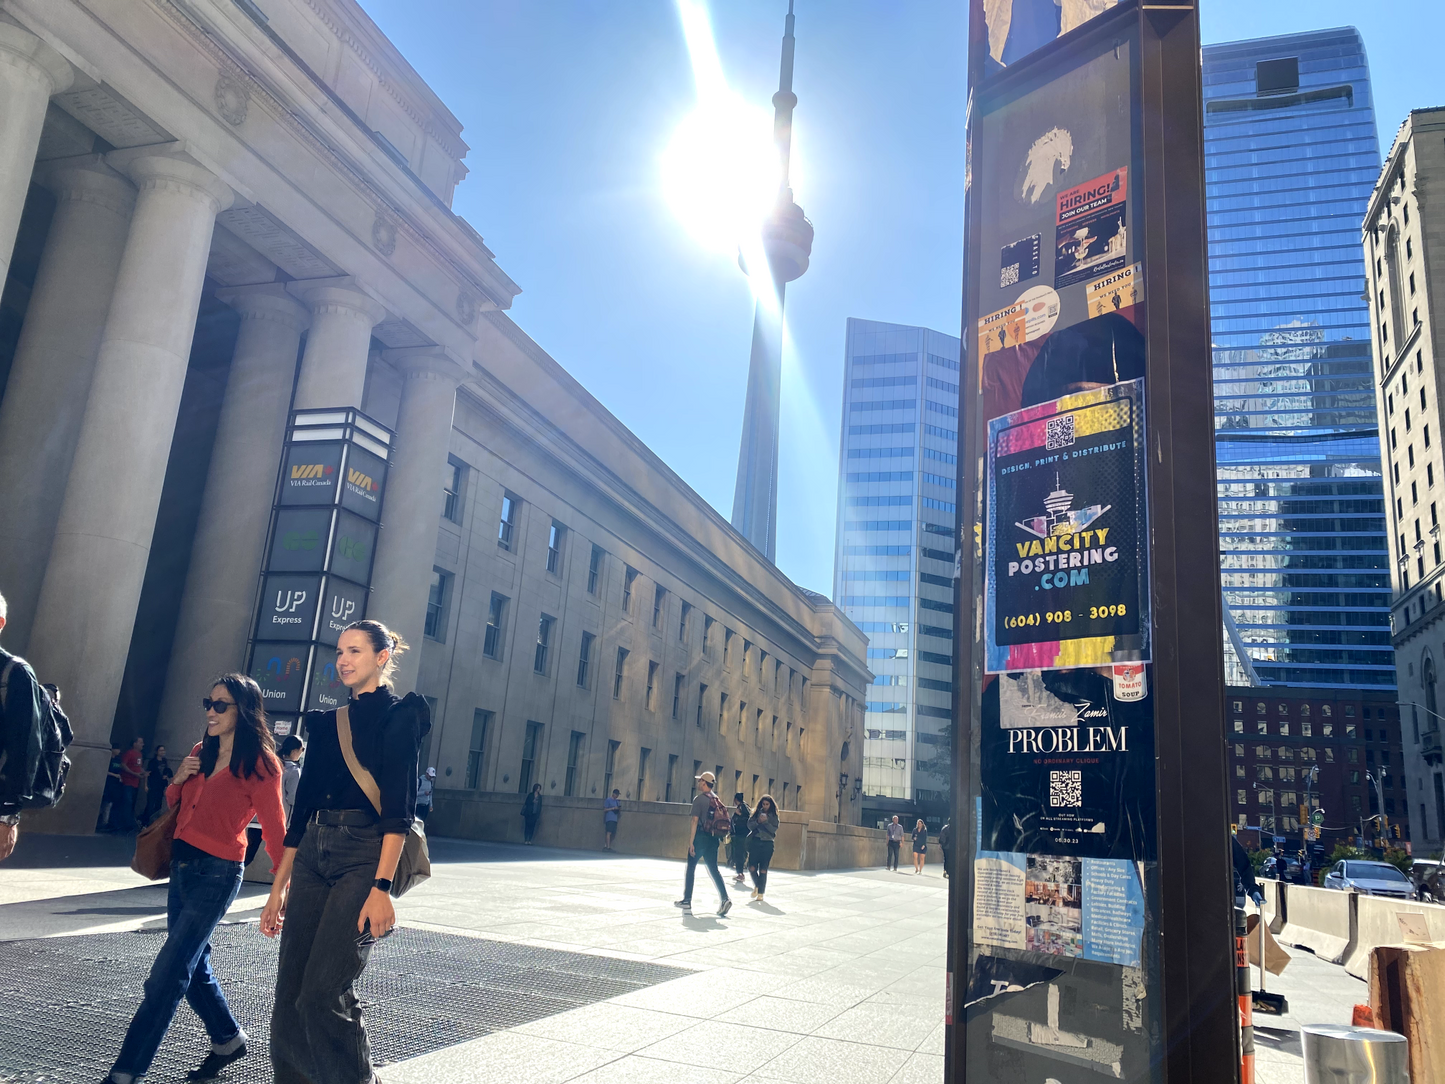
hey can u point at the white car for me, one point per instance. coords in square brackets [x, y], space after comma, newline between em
[1368, 879]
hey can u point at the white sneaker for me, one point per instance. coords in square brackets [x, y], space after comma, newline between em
[727, 905]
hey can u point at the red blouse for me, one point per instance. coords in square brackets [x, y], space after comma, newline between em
[214, 811]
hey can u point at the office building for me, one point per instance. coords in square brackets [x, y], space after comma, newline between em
[232, 234]
[1290, 157]
[893, 570]
[1404, 252]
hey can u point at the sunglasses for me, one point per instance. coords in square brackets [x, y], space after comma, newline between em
[220, 707]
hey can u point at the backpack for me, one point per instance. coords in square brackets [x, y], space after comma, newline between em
[39, 781]
[719, 820]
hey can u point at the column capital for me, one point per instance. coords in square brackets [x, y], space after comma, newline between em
[267, 301]
[86, 178]
[169, 166]
[426, 363]
[22, 49]
[338, 294]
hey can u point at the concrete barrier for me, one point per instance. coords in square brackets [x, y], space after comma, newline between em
[1378, 923]
[1321, 920]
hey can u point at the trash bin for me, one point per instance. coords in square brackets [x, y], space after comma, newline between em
[1335, 1054]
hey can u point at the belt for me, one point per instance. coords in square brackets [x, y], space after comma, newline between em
[351, 818]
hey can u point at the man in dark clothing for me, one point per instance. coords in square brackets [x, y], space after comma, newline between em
[945, 844]
[895, 840]
[1244, 882]
[111, 795]
[29, 777]
[704, 844]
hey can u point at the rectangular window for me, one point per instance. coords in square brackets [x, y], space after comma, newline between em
[492, 639]
[574, 759]
[722, 712]
[696, 771]
[627, 582]
[747, 651]
[758, 729]
[773, 737]
[477, 747]
[742, 717]
[617, 674]
[682, 622]
[727, 647]
[659, 598]
[544, 642]
[594, 570]
[701, 693]
[707, 624]
[608, 767]
[671, 773]
[788, 738]
[643, 755]
[436, 605]
[555, 534]
[784, 803]
[677, 696]
[507, 528]
[531, 747]
[650, 701]
[453, 483]
[584, 661]
[753, 799]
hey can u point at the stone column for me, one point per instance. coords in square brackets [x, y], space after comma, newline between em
[333, 370]
[92, 584]
[30, 72]
[50, 378]
[226, 556]
[412, 505]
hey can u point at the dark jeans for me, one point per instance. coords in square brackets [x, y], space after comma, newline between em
[155, 802]
[738, 852]
[423, 811]
[760, 855]
[893, 845]
[529, 826]
[317, 1036]
[122, 813]
[202, 887]
[704, 848]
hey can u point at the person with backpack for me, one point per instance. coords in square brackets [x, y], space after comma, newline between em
[33, 735]
[710, 823]
[738, 841]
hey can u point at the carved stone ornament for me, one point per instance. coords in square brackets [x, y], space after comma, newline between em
[466, 308]
[232, 99]
[383, 234]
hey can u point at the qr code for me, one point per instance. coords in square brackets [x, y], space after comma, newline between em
[1059, 432]
[1066, 789]
[1008, 276]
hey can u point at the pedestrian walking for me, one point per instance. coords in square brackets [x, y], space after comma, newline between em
[763, 828]
[231, 775]
[920, 846]
[329, 901]
[710, 822]
[291, 750]
[111, 796]
[424, 791]
[738, 837]
[132, 766]
[895, 842]
[158, 778]
[531, 811]
[945, 846]
[611, 811]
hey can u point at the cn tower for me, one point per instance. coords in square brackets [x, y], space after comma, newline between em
[787, 243]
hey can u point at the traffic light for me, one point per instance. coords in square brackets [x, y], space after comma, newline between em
[1395, 831]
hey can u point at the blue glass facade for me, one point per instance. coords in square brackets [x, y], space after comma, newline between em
[1291, 157]
[893, 569]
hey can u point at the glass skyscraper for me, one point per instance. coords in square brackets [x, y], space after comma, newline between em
[893, 572]
[1291, 157]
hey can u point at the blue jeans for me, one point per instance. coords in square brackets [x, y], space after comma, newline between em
[202, 888]
[704, 849]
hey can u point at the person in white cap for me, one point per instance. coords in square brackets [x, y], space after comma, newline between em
[424, 791]
[710, 823]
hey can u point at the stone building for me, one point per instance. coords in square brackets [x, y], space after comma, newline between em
[1404, 241]
[217, 213]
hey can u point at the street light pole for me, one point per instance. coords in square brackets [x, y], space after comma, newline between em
[1377, 778]
[1304, 854]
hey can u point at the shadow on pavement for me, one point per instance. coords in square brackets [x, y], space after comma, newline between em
[34, 850]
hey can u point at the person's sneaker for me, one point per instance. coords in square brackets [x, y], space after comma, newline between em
[727, 905]
[686, 905]
[215, 1063]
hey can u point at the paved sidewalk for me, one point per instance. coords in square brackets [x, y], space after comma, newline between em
[1317, 993]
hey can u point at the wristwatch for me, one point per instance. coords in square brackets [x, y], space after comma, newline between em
[383, 883]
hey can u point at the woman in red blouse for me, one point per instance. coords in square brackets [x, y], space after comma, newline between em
[232, 775]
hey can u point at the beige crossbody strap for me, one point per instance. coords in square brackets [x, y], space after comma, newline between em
[364, 779]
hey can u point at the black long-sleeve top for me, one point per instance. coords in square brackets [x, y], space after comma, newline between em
[386, 734]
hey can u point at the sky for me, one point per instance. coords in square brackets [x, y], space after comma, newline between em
[568, 107]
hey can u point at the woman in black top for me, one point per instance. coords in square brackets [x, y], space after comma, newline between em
[331, 888]
[920, 846]
[531, 810]
[738, 846]
[158, 778]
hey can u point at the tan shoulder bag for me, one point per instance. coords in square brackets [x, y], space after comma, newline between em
[414, 865]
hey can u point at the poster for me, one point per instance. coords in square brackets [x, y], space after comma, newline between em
[1066, 544]
[1119, 290]
[1090, 233]
[1019, 261]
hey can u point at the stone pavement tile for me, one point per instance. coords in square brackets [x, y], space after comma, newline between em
[782, 1014]
[609, 1026]
[703, 995]
[1277, 1065]
[823, 990]
[934, 1043]
[815, 1061]
[634, 1069]
[503, 1057]
[883, 1025]
[921, 1069]
[730, 1046]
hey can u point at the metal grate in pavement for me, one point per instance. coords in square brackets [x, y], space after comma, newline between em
[70, 999]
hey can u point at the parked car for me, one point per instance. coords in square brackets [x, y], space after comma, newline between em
[1368, 879]
[1291, 871]
[1429, 881]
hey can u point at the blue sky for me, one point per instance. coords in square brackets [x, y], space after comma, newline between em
[568, 106]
